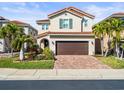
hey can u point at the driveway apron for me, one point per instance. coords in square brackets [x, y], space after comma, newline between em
[78, 62]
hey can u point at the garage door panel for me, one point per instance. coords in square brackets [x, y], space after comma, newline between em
[71, 48]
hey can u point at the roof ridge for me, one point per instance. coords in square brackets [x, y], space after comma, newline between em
[117, 13]
[19, 22]
[75, 9]
[1, 17]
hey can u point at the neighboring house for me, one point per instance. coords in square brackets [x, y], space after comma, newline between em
[119, 15]
[3, 21]
[28, 30]
[67, 32]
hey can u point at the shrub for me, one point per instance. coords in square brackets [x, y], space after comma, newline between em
[39, 57]
[16, 55]
[48, 54]
[40, 50]
[32, 56]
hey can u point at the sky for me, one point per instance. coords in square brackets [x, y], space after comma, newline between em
[29, 12]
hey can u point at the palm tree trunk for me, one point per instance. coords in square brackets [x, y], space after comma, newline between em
[12, 52]
[12, 47]
[6, 45]
[117, 50]
[102, 52]
[21, 56]
[102, 47]
[106, 52]
[108, 43]
[122, 54]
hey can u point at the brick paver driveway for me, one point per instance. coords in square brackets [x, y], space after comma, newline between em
[78, 62]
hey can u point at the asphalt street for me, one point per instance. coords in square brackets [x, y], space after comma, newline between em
[61, 84]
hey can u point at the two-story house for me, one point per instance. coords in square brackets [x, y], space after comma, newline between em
[67, 32]
[28, 30]
[3, 22]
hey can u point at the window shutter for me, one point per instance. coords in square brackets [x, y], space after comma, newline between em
[70, 23]
[60, 23]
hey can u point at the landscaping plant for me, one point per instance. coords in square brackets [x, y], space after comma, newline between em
[112, 29]
[48, 54]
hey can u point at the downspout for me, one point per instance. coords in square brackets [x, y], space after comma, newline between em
[82, 21]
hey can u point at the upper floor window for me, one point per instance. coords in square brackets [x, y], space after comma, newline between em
[85, 22]
[45, 27]
[65, 23]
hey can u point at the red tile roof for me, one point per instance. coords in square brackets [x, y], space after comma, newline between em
[19, 22]
[74, 10]
[119, 13]
[66, 33]
[42, 21]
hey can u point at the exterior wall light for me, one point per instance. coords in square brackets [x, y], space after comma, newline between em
[92, 43]
[53, 43]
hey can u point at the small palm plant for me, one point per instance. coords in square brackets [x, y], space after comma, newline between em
[19, 42]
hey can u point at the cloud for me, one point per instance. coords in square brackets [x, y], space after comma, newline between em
[22, 10]
[35, 5]
[19, 4]
[27, 12]
[103, 12]
[30, 12]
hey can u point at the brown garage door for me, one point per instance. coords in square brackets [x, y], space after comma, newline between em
[71, 48]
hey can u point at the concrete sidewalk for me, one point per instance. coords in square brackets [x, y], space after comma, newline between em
[60, 74]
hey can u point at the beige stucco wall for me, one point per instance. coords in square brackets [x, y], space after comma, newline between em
[54, 23]
[52, 43]
[89, 26]
[77, 27]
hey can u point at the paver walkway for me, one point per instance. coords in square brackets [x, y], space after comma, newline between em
[78, 62]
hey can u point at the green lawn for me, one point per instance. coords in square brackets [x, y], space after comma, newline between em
[112, 62]
[37, 64]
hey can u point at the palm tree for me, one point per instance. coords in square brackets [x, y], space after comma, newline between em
[18, 43]
[117, 26]
[9, 32]
[13, 30]
[99, 33]
[3, 35]
[109, 32]
[112, 28]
